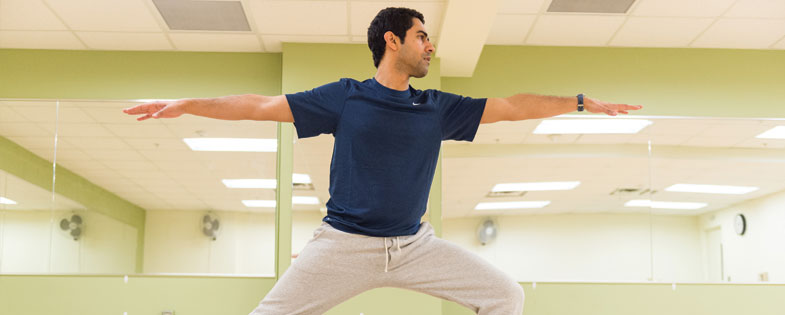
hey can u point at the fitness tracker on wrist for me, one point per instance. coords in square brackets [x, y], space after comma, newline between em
[580, 102]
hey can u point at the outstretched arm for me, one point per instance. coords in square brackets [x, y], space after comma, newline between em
[532, 106]
[234, 107]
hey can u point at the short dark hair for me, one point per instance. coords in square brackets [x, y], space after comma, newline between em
[396, 20]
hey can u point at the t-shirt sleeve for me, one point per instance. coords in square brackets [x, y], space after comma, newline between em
[460, 115]
[318, 111]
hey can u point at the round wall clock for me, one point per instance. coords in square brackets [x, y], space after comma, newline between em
[740, 224]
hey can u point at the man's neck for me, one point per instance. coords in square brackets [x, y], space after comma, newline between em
[389, 77]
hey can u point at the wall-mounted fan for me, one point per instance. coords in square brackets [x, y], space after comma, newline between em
[210, 226]
[72, 226]
[486, 231]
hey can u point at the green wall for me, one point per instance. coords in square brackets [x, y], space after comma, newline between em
[57, 74]
[686, 82]
[674, 82]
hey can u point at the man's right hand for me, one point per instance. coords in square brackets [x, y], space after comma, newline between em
[158, 109]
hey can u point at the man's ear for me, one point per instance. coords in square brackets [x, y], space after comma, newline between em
[392, 40]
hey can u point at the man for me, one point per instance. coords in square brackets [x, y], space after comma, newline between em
[387, 141]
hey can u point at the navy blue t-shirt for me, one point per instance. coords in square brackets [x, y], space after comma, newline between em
[386, 147]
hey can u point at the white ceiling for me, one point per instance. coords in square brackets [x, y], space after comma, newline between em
[148, 164]
[137, 25]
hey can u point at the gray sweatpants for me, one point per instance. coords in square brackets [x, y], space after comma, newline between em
[335, 266]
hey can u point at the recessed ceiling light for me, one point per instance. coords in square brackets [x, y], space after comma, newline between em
[232, 144]
[536, 186]
[591, 126]
[665, 204]
[773, 133]
[511, 205]
[263, 183]
[712, 189]
[298, 200]
[6, 201]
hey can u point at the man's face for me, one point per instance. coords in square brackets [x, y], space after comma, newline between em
[415, 55]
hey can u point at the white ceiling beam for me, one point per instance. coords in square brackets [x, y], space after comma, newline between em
[465, 28]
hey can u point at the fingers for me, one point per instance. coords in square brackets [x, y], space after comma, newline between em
[146, 108]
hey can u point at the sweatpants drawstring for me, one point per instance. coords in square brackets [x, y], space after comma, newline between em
[387, 255]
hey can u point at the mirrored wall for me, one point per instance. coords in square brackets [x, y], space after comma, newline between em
[573, 198]
[172, 196]
[667, 200]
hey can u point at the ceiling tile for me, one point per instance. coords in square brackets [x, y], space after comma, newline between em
[510, 29]
[272, 43]
[742, 33]
[39, 40]
[23, 129]
[9, 115]
[33, 142]
[297, 17]
[574, 30]
[161, 144]
[216, 42]
[521, 6]
[660, 32]
[79, 130]
[114, 155]
[125, 41]
[681, 8]
[88, 143]
[757, 9]
[28, 15]
[139, 130]
[105, 15]
[52, 114]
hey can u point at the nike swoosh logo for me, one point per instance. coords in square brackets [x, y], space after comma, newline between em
[415, 104]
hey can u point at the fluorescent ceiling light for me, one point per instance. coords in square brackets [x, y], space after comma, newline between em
[301, 178]
[511, 205]
[665, 204]
[6, 201]
[591, 126]
[298, 200]
[259, 203]
[263, 183]
[537, 186]
[250, 183]
[773, 133]
[305, 200]
[232, 144]
[712, 189]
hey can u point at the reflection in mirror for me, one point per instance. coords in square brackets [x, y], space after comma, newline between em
[27, 240]
[26, 180]
[719, 200]
[161, 202]
[544, 200]
[311, 180]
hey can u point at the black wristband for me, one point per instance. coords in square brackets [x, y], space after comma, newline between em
[580, 102]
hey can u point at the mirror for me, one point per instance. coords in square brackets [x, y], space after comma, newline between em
[718, 207]
[158, 196]
[546, 200]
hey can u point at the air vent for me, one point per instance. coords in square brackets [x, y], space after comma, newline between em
[302, 186]
[632, 191]
[189, 15]
[591, 6]
[497, 194]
